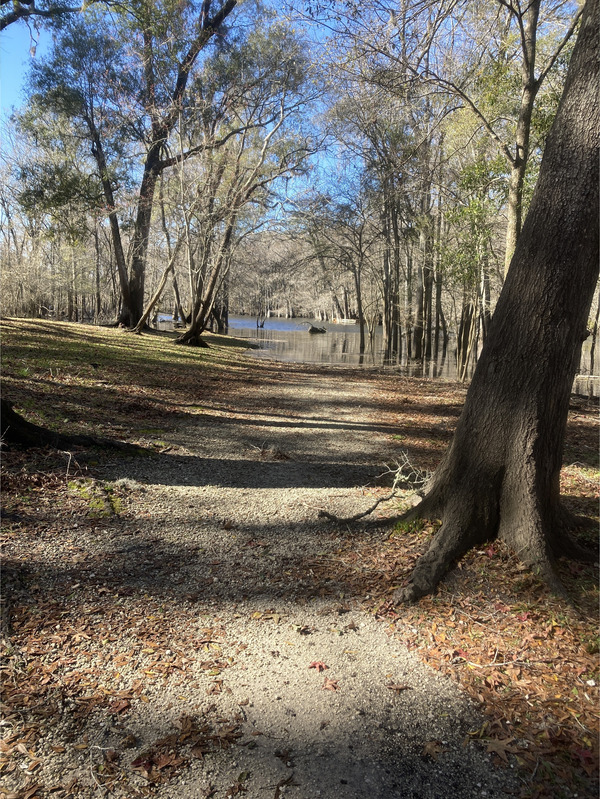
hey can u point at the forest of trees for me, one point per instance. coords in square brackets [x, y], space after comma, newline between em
[371, 160]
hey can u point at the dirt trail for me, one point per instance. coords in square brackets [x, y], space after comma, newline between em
[240, 493]
[231, 665]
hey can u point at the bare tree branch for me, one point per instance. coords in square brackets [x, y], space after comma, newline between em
[552, 60]
[24, 9]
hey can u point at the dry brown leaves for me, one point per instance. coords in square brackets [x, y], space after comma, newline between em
[82, 649]
[529, 660]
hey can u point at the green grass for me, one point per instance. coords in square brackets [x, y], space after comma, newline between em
[106, 381]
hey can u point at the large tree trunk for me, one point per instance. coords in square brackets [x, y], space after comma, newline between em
[500, 476]
[139, 249]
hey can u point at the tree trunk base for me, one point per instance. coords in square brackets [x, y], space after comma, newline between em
[191, 339]
[464, 528]
[16, 431]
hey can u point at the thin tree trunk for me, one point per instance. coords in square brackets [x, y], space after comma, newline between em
[529, 89]
[98, 153]
[98, 294]
[204, 306]
[418, 327]
[594, 334]
[159, 290]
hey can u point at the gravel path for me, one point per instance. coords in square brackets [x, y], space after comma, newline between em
[230, 511]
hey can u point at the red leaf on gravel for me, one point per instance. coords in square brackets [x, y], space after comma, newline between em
[330, 685]
[119, 705]
[318, 665]
[397, 688]
[144, 764]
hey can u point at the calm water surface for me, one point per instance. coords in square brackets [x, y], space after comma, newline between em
[289, 340]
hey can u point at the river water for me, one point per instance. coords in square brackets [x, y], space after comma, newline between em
[289, 340]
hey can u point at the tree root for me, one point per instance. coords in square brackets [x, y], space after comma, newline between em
[191, 340]
[17, 431]
[565, 545]
[323, 514]
[404, 474]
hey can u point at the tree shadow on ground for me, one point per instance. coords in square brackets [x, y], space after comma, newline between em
[191, 470]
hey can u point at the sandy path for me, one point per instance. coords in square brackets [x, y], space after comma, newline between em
[240, 492]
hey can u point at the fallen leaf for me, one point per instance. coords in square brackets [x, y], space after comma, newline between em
[397, 688]
[119, 705]
[143, 762]
[330, 685]
[162, 760]
[432, 749]
[303, 629]
[500, 747]
[318, 665]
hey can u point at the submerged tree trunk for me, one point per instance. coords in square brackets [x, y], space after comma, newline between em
[500, 476]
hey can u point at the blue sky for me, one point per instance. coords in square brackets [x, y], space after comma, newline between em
[15, 44]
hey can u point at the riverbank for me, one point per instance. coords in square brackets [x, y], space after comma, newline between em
[182, 624]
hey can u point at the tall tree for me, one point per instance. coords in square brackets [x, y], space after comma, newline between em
[503, 60]
[164, 109]
[500, 476]
[263, 89]
[487, 56]
[127, 98]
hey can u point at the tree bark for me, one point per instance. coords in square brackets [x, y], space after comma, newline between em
[141, 235]
[159, 290]
[115, 230]
[500, 476]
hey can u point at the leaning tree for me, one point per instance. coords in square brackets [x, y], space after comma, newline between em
[500, 475]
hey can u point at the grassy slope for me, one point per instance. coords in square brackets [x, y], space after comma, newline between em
[84, 379]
